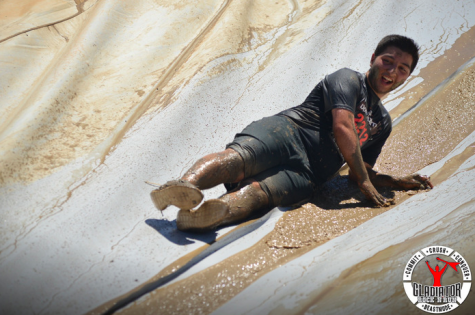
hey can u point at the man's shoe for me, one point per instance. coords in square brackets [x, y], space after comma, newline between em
[207, 217]
[179, 193]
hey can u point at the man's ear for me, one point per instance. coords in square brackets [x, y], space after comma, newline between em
[372, 60]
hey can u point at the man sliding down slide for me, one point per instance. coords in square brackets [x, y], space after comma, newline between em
[279, 160]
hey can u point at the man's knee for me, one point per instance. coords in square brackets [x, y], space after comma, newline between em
[234, 164]
[244, 200]
[256, 190]
[216, 168]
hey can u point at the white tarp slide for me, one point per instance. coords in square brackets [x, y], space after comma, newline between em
[443, 215]
[98, 96]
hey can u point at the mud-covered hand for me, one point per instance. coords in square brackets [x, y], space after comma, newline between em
[372, 194]
[415, 181]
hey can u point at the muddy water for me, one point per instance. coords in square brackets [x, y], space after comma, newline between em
[451, 166]
[432, 130]
[423, 138]
[74, 125]
[296, 233]
[386, 267]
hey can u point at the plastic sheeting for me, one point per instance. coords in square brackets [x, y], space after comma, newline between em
[98, 96]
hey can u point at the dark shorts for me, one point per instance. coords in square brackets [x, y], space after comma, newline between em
[274, 156]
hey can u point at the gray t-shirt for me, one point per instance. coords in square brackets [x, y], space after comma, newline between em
[349, 90]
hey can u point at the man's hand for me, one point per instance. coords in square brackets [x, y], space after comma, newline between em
[408, 182]
[415, 181]
[372, 194]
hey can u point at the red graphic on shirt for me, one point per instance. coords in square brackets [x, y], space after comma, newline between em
[360, 125]
[437, 274]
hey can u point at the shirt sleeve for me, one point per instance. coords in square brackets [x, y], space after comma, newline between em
[341, 90]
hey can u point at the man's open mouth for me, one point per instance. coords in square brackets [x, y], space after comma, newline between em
[387, 80]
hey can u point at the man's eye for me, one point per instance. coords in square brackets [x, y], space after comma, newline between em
[403, 70]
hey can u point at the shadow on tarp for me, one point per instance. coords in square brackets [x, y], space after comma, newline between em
[165, 225]
[168, 230]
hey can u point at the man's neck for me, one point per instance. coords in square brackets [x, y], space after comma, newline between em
[369, 83]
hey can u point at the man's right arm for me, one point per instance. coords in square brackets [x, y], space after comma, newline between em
[347, 141]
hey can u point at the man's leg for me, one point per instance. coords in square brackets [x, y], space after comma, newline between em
[217, 168]
[243, 201]
[261, 147]
[214, 169]
[279, 186]
[230, 208]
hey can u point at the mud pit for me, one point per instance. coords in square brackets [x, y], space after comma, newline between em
[424, 137]
[98, 96]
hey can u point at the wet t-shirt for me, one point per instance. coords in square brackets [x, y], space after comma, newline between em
[349, 90]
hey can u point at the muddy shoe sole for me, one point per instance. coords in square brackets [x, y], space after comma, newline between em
[179, 193]
[207, 217]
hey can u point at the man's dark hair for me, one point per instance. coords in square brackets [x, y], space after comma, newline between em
[406, 44]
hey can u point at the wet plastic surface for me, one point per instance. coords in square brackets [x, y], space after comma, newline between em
[127, 92]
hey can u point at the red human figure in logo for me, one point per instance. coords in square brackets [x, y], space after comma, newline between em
[437, 274]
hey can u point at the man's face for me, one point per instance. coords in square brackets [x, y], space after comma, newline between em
[389, 70]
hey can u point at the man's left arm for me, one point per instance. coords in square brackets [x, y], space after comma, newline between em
[415, 181]
[346, 138]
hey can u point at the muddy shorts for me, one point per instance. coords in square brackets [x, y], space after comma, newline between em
[274, 155]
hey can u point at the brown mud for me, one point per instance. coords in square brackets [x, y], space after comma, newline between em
[432, 130]
[426, 136]
[382, 266]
